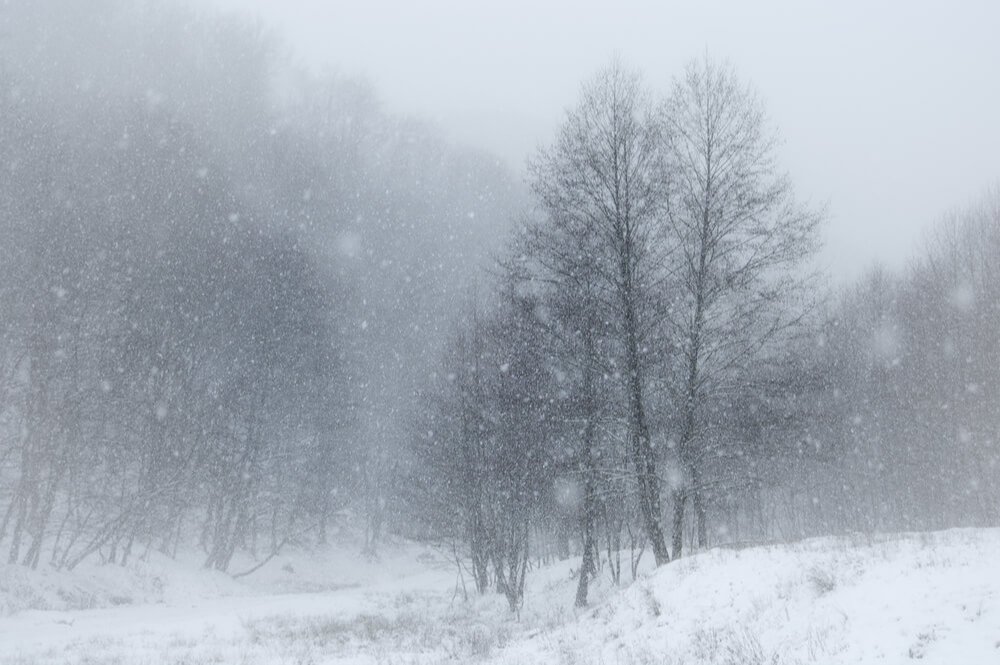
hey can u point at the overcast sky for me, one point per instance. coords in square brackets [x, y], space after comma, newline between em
[889, 111]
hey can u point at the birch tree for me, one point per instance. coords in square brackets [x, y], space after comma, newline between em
[740, 239]
[606, 175]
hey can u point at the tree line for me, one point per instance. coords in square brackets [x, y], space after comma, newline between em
[215, 292]
[658, 364]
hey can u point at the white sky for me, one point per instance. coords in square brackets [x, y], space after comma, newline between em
[889, 111]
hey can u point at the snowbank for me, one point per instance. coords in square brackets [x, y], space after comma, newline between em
[891, 599]
[930, 597]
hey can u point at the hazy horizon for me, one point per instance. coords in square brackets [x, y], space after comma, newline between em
[863, 96]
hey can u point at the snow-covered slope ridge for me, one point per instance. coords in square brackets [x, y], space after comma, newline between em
[933, 598]
[893, 599]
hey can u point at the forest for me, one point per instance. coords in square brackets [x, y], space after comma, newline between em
[242, 303]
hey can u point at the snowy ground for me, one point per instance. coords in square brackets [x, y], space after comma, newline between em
[929, 597]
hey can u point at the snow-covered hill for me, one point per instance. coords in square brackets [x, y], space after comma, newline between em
[932, 597]
[867, 599]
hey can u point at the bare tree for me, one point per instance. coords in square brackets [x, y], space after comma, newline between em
[561, 265]
[607, 175]
[740, 238]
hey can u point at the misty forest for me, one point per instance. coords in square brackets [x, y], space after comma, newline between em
[245, 309]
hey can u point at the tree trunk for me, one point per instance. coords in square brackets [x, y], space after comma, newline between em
[587, 566]
[642, 448]
[698, 500]
[644, 460]
[677, 537]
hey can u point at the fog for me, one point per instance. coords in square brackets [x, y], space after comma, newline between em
[518, 283]
[886, 110]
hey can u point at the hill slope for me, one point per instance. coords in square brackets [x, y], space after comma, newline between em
[933, 597]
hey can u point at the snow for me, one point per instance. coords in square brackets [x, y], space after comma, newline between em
[175, 611]
[933, 597]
